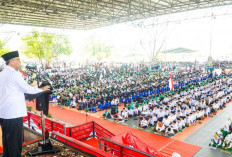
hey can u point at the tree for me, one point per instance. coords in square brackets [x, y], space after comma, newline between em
[3, 48]
[97, 48]
[38, 45]
[153, 39]
[101, 51]
[45, 46]
[61, 46]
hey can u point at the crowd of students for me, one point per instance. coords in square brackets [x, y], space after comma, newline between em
[223, 137]
[143, 91]
[177, 111]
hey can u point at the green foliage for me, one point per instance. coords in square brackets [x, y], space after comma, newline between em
[97, 48]
[49, 115]
[38, 45]
[29, 108]
[61, 46]
[3, 48]
[45, 46]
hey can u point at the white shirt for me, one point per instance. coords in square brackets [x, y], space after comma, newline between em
[144, 123]
[161, 114]
[12, 89]
[166, 122]
[130, 112]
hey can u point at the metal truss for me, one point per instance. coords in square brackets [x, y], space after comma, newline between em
[89, 14]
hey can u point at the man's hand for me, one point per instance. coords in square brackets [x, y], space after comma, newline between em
[45, 88]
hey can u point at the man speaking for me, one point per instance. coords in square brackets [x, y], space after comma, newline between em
[12, 104]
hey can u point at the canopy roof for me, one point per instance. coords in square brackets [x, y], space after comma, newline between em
[88, 14]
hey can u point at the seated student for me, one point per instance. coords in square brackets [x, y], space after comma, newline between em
[174, 126]
[81, 106]
[160, 128]
[178, 114]
[144, 113]
[182, 113]
[193, 109]
[155, 109]
[67, 102]
[183, 121]
[167, 111]
[124, 114]
[132, 105]
[114, 110]
[180, 124]
[166, 121]
[216, 142]
[106, 104]
[188, 110]
[150, 122]
[130, 112]
[53, 99]
[207, 111]
[161, 114]
[144, 123]
[150, 112]
[228, 98]
[119, 118]
[215, 106]
[220, 103]
[106, 114]
[100, 105]
[187, 121]
[229, 122]
[224, 101]
[73, 104]
[199, 115]
[169, 132]
[140, 109]
[225, 130]
[145, 107]
[212, 110]
[63, 102]
[220, 134]
[172, 117]
[154, 119]
[227, 143]
[135, 111]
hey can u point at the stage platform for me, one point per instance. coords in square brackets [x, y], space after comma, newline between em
[163, 144]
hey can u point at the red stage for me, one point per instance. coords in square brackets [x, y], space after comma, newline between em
[166, 146]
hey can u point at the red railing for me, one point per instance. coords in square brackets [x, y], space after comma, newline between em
[33, 121]
[81, 145]
[120, 150]
[88, 130]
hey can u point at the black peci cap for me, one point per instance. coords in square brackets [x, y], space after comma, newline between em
[10, 55]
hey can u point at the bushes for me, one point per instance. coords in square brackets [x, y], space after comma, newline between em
[29, 108]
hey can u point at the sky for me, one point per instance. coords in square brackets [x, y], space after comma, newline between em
[205, 31]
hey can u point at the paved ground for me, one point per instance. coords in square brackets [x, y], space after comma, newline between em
[202, 136]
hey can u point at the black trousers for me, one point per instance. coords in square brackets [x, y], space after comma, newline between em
[12, 136]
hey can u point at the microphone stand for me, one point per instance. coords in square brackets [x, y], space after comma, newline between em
[42, 115]
[45, 146]
[86, 113]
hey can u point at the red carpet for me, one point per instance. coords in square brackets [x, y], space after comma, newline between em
[163, 144]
